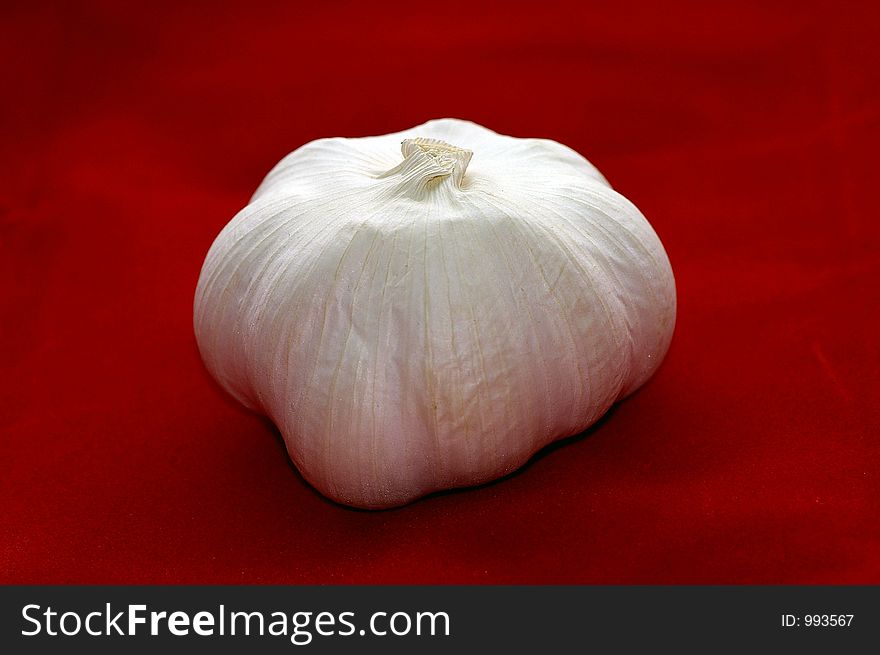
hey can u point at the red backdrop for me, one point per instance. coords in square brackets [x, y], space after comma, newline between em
[748, 135]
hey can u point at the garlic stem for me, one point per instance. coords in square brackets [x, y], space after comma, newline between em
[427, 162]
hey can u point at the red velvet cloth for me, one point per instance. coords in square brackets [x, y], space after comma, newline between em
[747, 134]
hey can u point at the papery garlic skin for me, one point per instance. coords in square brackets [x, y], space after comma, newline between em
[427, 320]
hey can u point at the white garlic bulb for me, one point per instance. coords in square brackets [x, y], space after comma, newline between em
[430, 320]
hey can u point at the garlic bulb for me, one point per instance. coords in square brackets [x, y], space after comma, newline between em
[429, 316]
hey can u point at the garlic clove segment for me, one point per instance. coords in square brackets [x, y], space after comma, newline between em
[427, 309]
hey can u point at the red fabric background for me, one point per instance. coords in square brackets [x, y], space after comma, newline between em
[747, 135]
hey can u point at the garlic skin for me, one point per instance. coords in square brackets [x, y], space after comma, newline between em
[424, 316]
